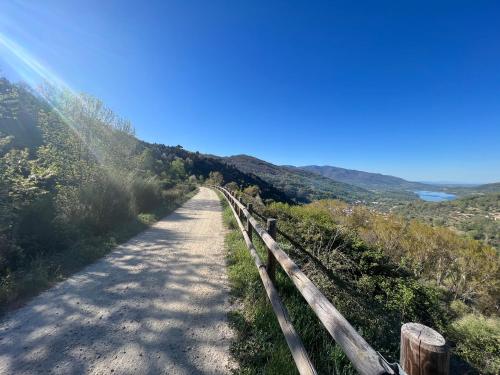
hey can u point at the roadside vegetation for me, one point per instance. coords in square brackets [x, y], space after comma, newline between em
[260, 346]
[382, 271]
[74, 183]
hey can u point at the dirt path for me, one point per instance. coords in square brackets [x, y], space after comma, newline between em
[155, 305]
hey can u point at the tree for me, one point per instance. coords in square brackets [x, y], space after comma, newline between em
[215, 178]
[177, 169]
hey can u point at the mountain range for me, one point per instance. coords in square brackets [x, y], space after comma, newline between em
[306, 184]
[367, 180]
[309, 183]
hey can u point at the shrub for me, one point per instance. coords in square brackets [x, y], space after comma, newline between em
[37, 230]
[478, 341]
[146, 194]
[104, 203]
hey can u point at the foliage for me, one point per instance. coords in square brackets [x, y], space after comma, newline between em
[215, 178]
[381, 271]
[478, 341]
[477, 216]
[299, 185]
[435, 254]
[260, 346]
[252, 191]
[73, 180]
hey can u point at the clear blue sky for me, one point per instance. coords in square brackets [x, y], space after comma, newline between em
[409, 88]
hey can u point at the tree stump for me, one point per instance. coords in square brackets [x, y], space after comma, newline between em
[423, 351]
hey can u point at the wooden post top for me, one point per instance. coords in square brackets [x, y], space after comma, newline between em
[423, 351]
[424, 336]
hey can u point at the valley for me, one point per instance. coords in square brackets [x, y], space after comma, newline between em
[89, 184]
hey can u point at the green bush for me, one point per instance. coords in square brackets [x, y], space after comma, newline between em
[37, 230]
[477, 339]
[104, 203]
[146, 194]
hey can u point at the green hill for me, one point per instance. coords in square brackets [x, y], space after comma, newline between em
[477, 216]
[464, 191]
[491, 188]
[298, 184]
[367, 180]
[201, 165]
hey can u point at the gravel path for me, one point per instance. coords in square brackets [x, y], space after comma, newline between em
[155, 305]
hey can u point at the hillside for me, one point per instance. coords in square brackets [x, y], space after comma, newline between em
[465, 191]
[477, 216]
[298, 184]
[491, 188]
[18, 115]
[200, 165]
[74, 181]
[366, 180]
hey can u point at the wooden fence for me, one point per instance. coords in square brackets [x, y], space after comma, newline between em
[423, 350]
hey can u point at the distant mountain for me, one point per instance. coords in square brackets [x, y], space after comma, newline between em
[490, 188]
[300, 185]
[367, 180]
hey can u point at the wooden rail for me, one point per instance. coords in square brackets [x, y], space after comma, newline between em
[362, 356]
[293, 340]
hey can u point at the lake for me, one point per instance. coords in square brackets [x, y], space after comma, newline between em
[435, 196]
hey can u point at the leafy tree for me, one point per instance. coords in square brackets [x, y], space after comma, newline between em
[215, 178]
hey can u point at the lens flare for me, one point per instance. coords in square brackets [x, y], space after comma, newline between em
[50, 88]
[27, 67]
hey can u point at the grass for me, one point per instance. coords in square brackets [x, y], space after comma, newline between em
[44, 271]
[260, 347]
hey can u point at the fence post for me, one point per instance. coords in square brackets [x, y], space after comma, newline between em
[423, 351]
[239, 199]
[271, 261]
[249, 226]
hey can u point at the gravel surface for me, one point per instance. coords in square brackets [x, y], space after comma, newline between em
[155, 305]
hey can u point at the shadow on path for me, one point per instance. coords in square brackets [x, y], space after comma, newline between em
[155, 305]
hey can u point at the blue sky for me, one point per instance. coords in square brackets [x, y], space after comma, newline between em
[408, 88]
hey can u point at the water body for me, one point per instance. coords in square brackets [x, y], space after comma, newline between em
[435, 196]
